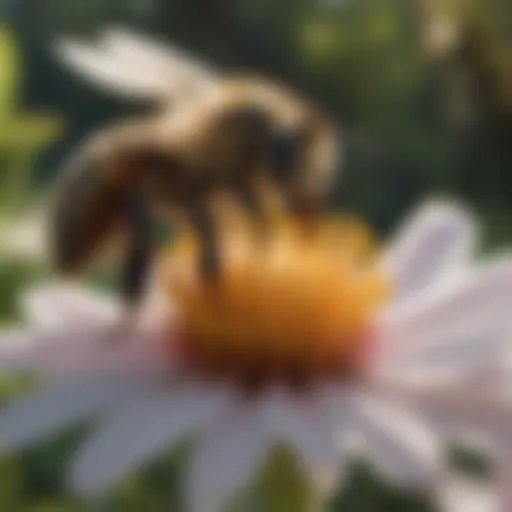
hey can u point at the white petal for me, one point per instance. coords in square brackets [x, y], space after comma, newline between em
[459, 495]
[33, 418]
[455, 408]
[463, 315]
[68, 305]
[437, 240]
[405, 449]
[461, 355]
[145, 352]
[503, 478]
[78, 349]
[227, 459]
[17, 349]
[153, 423]
[340, 401]
[461, 413]
[312, 427]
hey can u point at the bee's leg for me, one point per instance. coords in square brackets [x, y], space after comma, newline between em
[252, 201]
[136, 263]
[307, 210]
[202, 221]
[139, 251]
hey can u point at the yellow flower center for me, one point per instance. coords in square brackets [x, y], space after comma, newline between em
[289, 306]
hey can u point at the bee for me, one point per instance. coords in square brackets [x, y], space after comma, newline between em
[209, 131]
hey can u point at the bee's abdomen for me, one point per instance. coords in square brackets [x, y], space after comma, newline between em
[88, 207]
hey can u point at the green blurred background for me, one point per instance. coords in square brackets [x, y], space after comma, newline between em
[422, 88]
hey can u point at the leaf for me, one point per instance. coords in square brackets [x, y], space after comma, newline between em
[22, 134]
[11, 489]
[281, 488]
[10, 73]
[29, 132]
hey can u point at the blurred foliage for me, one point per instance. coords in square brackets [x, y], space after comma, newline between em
[22, 135]
[369, 62]
[14, 276]
[280, 488]
[365, 491]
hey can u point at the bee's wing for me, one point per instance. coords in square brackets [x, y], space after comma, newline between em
[137, 66]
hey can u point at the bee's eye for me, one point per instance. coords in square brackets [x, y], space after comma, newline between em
[284, 152]
[249, 120]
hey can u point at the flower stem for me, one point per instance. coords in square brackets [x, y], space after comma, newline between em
[281, 488]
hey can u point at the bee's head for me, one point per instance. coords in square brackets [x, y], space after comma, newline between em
[302, 159]
[294, 141]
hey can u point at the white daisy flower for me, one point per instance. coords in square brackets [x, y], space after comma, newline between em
[326, 347]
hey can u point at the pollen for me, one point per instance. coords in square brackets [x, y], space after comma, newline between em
[289, 305]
